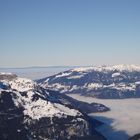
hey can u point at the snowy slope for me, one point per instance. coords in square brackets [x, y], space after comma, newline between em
[28, 111]
[17, 83]
[36, 108]
[120, 81]
[22, 84]
[36, 105]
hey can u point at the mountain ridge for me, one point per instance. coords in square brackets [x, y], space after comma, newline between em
[28, 111]
[119, 81]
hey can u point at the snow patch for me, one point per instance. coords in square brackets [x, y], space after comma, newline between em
[75, 77]
[137, 83]
[4, 73]
[94, 85]
[109, 68]
[62, 75]
[116, 74]
[22, 84]
[83, 69]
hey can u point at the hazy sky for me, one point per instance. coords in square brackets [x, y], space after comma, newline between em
[69, 32]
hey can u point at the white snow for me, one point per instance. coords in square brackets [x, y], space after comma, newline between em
[42, 108]
[111, 85]
[124, 87]
[137, 83]
[75, 77]
[46, 81]
[116, 74]
[22, 84]
[4, 73]
[37, 107]
[82, 69]
[127, 67]
[56, 87]
[123, 119]
[94, 85]
[66, 110]
[62, 75]
[74, 87]
[109, 68]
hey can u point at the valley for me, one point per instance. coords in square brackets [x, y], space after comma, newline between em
[121, 122]
[107, 115]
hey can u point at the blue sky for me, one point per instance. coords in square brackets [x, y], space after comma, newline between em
[69, 32]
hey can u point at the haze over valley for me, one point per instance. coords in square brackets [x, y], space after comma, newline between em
[69, 69]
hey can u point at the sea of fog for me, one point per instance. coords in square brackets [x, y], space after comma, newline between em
[36, 72]
[121, 122]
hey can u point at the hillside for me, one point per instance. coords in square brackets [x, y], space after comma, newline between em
[28, 111]
[120, 81]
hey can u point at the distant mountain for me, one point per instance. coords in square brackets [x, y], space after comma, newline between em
[36, 72]
[28, 111]
[117, 82]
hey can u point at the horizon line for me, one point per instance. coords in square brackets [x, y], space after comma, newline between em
[60, 66]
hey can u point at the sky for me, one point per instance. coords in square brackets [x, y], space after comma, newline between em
[69, 32]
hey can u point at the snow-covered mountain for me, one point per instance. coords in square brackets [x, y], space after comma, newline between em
[30, 112]
[120, 81]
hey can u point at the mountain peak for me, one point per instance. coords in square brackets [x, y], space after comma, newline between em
[121, 67]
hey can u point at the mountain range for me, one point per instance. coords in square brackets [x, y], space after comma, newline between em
[106, 82]
[30, 112]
